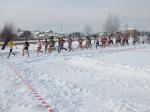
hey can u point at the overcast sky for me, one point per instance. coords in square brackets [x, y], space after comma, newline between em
[72, 14]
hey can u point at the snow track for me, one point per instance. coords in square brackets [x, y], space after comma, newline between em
[88, 81]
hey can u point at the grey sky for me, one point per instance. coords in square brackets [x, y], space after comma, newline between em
[73, 14]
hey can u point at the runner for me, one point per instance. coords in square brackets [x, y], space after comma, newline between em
[61, 44]
[88, 42]
[50, 47]
[110, 40]
[96, 40]
[143, 39]
[11, 44]
[70, 43]
[46, 43]
[104, 41]
[80, 41]
[26, 47]
[125, 39]
[52, 42]
[148, 38]
[118, 40]
[39, 47]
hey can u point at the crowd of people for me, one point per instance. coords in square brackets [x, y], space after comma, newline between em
[48, 46]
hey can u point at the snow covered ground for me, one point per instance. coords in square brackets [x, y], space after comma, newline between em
[103, 80]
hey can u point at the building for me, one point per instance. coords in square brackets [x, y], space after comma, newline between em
[132, 31]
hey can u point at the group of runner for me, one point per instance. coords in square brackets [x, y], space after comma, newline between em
[49, 45]
[104, 41]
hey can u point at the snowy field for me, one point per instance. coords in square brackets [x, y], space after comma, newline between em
[104, 80]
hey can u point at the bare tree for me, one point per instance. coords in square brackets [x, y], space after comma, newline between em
[87, 30]
[7, 34]
[112, 23]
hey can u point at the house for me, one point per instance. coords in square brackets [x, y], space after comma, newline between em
[132, 31]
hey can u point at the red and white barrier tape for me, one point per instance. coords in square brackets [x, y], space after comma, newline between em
[32, 90]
